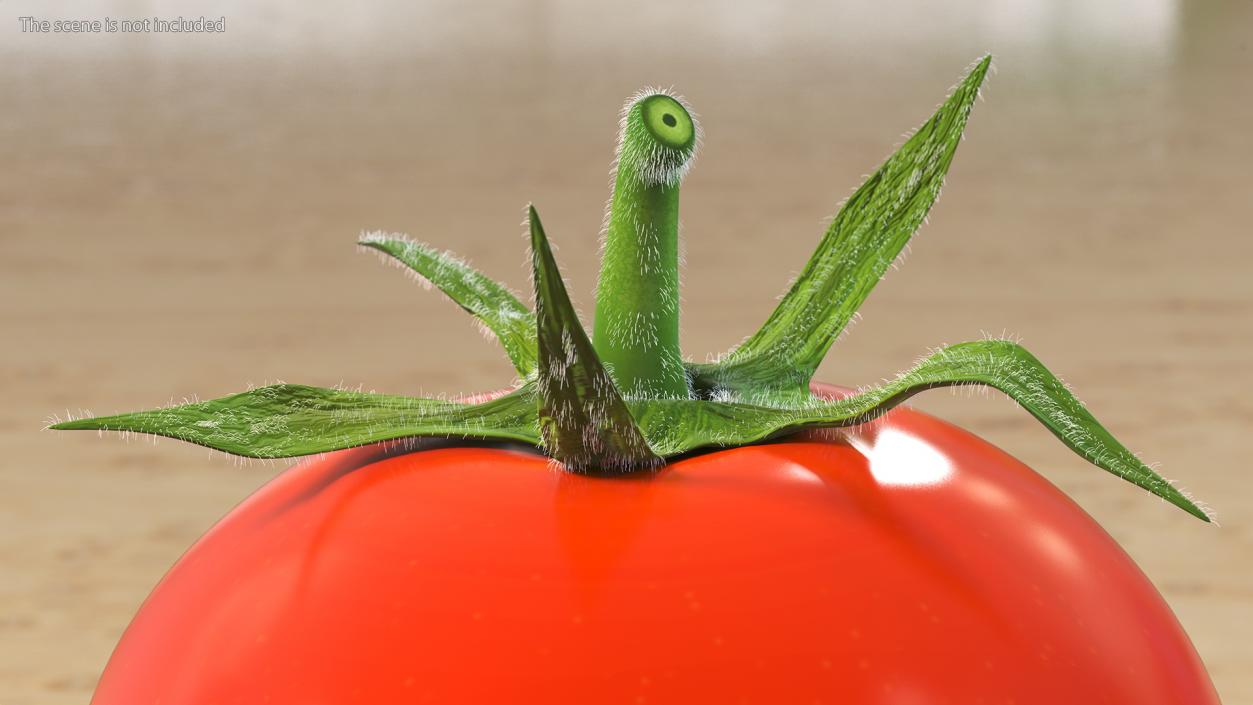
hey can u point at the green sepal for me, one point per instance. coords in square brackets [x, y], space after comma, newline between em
[582, 418]
[287, 420]
[857, 249]
[674, 427]
[495, 306]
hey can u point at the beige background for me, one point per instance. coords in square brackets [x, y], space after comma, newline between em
[177, 215]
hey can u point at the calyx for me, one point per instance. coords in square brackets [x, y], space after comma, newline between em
[624, 400]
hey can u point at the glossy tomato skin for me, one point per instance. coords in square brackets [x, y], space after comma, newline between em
[905, 563]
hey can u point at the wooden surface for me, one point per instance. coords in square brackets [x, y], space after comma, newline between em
[177, 215]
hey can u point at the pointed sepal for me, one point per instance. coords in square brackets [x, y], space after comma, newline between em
[582, 418]
[675, 427]
[857, 249]
[491, 303]
[287, 420]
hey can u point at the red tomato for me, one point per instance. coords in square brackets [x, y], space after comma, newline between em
[913, 563]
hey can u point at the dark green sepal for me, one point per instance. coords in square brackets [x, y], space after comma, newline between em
[582, 419]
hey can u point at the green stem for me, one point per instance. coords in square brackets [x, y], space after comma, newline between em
[636, 332]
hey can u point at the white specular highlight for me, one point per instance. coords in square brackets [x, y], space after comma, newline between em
[898, 458]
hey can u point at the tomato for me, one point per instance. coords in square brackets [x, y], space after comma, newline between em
[903, 562]
[609, 557]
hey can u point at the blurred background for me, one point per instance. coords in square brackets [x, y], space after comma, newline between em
[178, 213]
